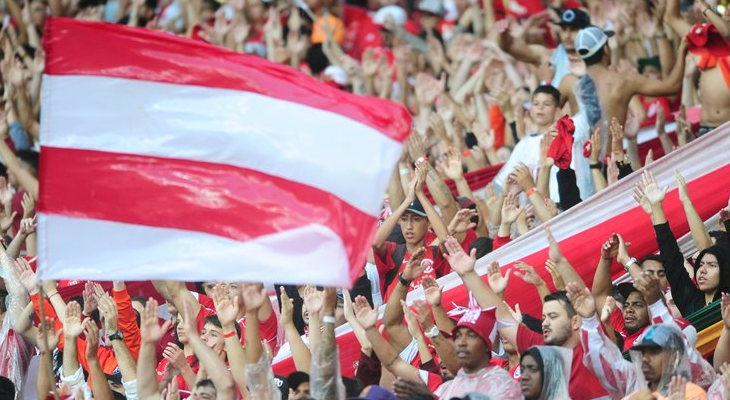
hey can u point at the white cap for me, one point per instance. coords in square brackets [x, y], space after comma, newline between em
[336, 74]
[398, 14]
[432, 6]
[590, 40]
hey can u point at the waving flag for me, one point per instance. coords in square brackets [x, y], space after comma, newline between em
[163, 157]
[584, 228]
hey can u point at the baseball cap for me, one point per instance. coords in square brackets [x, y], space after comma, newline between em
[705, 39]
[591, 40]
[282, 385]
[416, 208]
[397, 13]
[574, 18]
[482, 321]
[337, 75]
[297, 378]
[655, 336]
[434, 7]
[626, 288]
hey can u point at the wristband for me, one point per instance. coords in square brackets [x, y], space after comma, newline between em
[328, 319]
[598, 165]
[530, 192]
[229, 334]
[467, 153]
[403, 281]
[629, 263]
[405, 171]
[421, 159]
[545, 83]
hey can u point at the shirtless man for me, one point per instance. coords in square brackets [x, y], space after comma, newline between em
[615, 89]
[714, 90]
[571, 21]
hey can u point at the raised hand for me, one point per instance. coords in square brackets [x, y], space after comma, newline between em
[617, 136]
[641, 199]
[682, 187]
[91, 300]
[678, 388]
[523, 177]
[108, 310]
[608, 308]
[428, 88]
[421, 173]
[552, 268]
[515, 312]
[225, 307]
[5, 221]
[555, 254]
[175, 356]
[26, 275]
[287, 308]
[150, 329]
[623, 250]
[414, 269]
[595, 146]
[457, 258]
[648, 285]
[366, 315]
[73, 325]
[432, 290]
[254, 295]
[497, 282]
[369, 64]
[527, 273]
[452, 165]
[28, 204]
[313, 300]
[582, 300]
[725, 309]
[49, 335]
[411, 320]
[462, 221]
[609, 249]
[612, 171]
[485, 137]
[91, 331]
[510, 210]
[653, 193]
[28, 226]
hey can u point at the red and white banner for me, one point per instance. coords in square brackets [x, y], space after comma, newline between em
[163, 157]
[583, 229]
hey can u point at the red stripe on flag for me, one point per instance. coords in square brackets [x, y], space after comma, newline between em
[213, 198]
[76, 47]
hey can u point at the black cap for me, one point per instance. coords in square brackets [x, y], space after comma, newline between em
[575, 18]
[282, 384]
[416, 208]
[626, 288]
[297, 378]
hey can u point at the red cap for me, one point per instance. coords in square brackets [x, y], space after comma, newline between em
[482, 321]
[705, 39]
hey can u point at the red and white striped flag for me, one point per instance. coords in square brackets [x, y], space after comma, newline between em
[584, 228]
[163, 157]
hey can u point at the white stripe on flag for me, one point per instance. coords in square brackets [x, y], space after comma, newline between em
[285, 139]
[138, 252]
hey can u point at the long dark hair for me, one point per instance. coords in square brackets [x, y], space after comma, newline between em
[722, 260]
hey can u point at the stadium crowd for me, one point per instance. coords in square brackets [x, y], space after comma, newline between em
[553, 94]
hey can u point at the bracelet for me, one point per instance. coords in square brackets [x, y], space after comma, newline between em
[229, 334]
[530, 192]
[467, 153]
[545, 83]
[328, 319]
[598, 165]
[662, 35]
[421, 159]
[628, 264]
[405, 171]
[49, 296]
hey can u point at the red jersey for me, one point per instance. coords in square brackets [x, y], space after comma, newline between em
[433, 266]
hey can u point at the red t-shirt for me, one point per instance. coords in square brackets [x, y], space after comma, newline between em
[515, 372]
[435, 267]
[583, 384]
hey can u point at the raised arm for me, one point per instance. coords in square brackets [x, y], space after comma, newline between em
[523, 177]
[463, 265]
[179, 294]
[46, 340]
[602, 277]
[150, 333]
[668, 85]
[72, 328]
[444, 347]
[415, 331]
[527, 273]
[432, 291]
[368, 317]
[438, 225]
[566, 270]
[325, 378]
[700, 235]
[300, 353]
[214, 366]
[98, 380]
[227, 310]
[519, 49]
[393, 316]
[385, 229]
[674, 19]
[722, 351]
[127, 364]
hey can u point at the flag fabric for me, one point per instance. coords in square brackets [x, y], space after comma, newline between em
[584, 228]
[163, 157]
